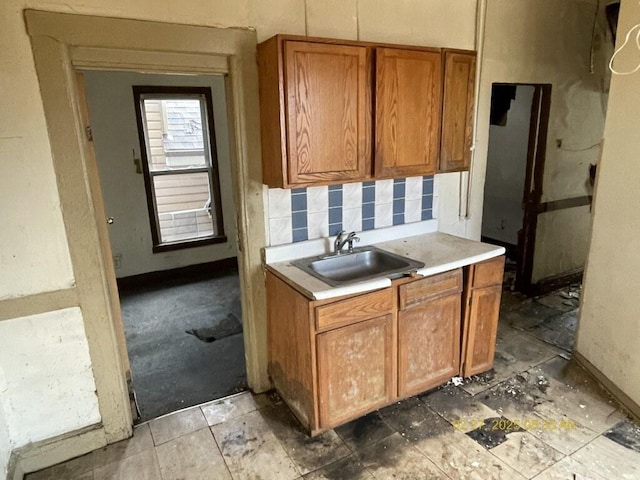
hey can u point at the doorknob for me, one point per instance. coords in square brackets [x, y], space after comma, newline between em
[109, 220]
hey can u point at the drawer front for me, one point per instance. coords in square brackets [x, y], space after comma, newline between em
[354, 309]
[420, 291]
[488, 273]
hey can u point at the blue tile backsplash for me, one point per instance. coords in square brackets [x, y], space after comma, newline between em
[306, 213]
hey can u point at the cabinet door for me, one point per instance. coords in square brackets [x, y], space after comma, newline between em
[428, 344]
[482, 326]
[408, 100]
[355, 369]
[457, 111]
[328, 104]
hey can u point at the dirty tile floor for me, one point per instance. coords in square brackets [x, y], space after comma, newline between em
[535, 415]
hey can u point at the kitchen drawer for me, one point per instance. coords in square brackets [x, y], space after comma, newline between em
[488, 273]
[420, 291]
[352, 310]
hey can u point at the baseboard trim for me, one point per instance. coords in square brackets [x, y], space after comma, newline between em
[551, 284]
[190, 272]
[632, 407]
[46, 453]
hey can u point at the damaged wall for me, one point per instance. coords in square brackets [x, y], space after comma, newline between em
[113, 122]
[549, 42]
[609, 324]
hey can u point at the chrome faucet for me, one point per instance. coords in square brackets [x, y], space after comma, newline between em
[341, 240]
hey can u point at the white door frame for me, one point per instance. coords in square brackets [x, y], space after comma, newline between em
[63, 43]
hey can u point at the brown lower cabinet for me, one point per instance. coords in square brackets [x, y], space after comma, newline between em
[482, 309]
[335, 360]
[355, 369]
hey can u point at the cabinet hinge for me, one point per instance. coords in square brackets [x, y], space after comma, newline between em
[89, 133]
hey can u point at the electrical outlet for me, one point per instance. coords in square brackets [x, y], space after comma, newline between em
[117, 261]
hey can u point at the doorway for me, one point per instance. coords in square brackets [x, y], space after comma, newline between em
[165, 174]
[174, 251]
[515, 168]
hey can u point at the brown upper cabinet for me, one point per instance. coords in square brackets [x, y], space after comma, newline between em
[315, 104]
[457, 111]
[408, 106]
[318, 123]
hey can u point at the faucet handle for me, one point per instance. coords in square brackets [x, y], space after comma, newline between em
[350, 240]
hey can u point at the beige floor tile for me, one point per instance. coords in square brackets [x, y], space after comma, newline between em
[172, 426]
[76, 469]
[143, 466]
[526, 454]
[252, 451]
[609, 459]
[307, 453]
[594, 412]
[194, 456]
[557, 431]
[228, 408]
[569, 469]
[395, 458]
[115, 452]
[462, 458]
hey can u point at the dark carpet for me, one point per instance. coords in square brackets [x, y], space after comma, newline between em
[185, 342]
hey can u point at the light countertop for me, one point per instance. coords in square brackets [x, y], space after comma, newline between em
[439, 252]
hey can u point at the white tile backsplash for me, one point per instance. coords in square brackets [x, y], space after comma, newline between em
[317, 199]
[313, 202]
[384, 215]
[318, 224]
[413, 188]
[352, 219]
[384, 191]
[352, 195]
[412, 210]
[279, 203]
[280, 231]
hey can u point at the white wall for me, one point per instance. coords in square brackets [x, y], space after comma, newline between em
[29, 205]
[115, 134]
[5, 437]
[506, 169]
[46, 378]
[609, 325]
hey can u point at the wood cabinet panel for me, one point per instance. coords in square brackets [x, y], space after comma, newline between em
[482, 327]
[327, 104]
[291, 351]
[428, 344]
[457, 111]
[419, 291]
[355, 369]
[354, 309]
[488, 273]
[408, 109]
[272, 113]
